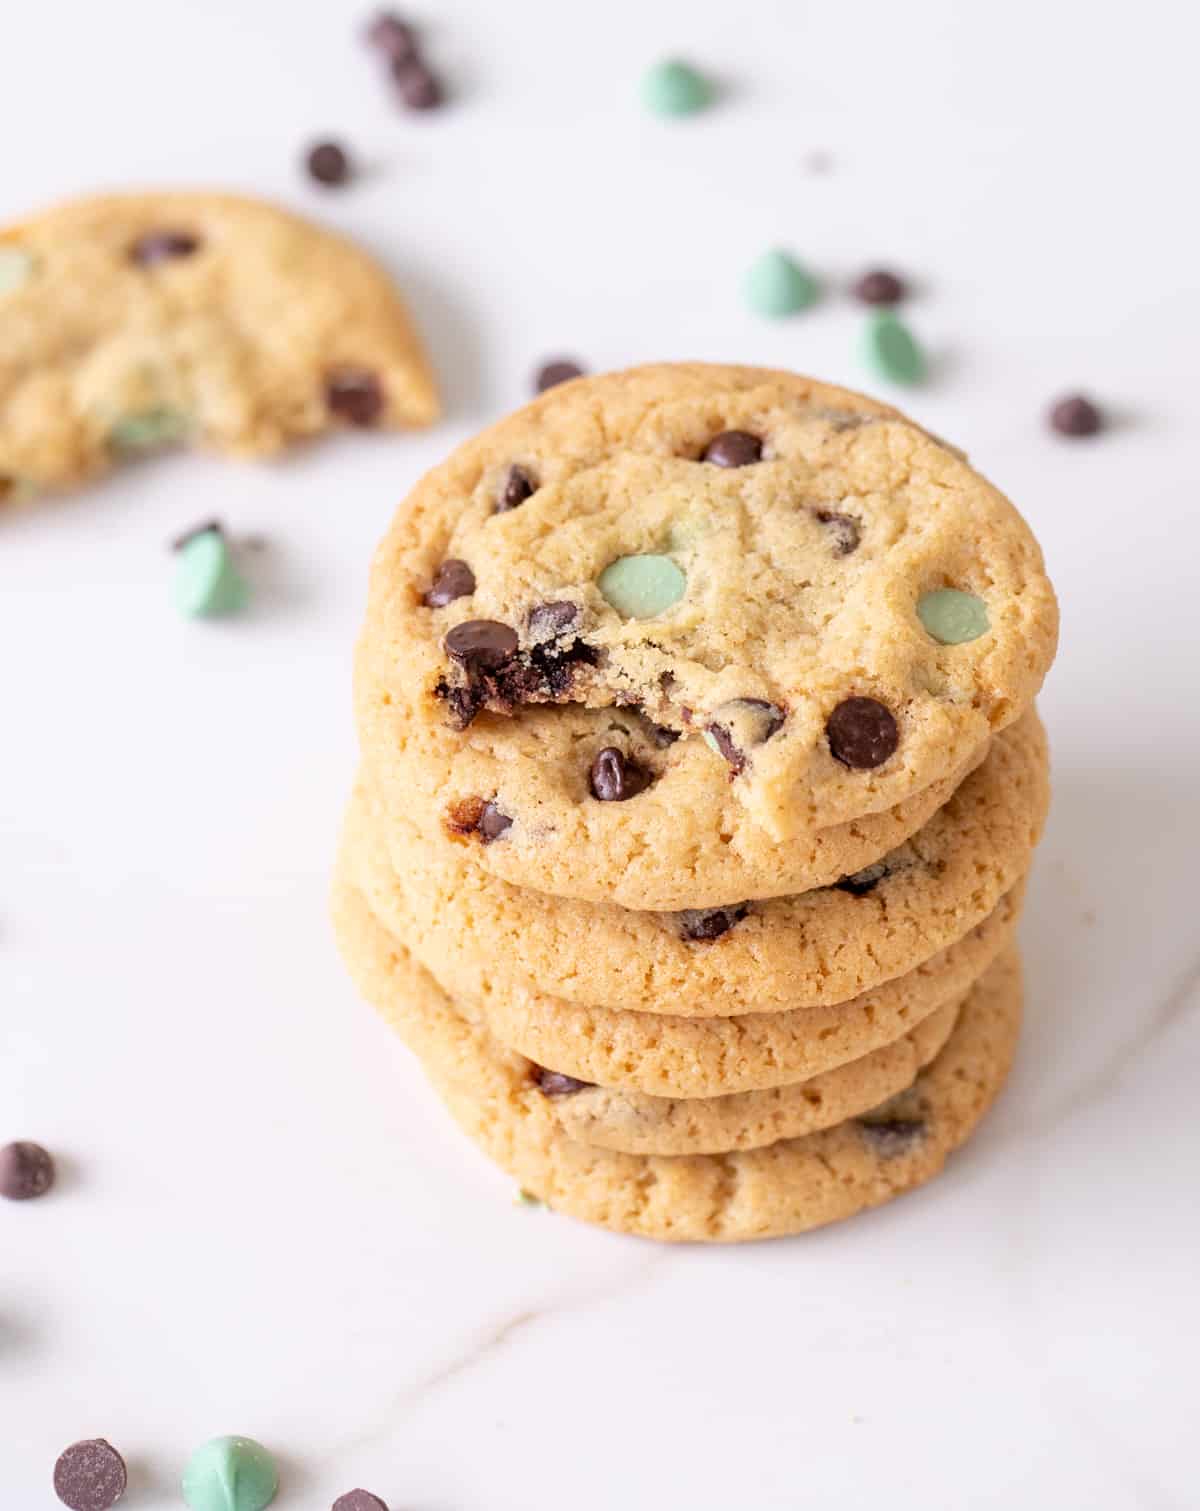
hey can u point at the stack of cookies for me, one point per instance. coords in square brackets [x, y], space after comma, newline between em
[700, 779]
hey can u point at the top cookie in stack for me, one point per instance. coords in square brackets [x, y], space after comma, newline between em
[686, 636]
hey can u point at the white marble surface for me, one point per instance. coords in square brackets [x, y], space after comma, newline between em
[265, 1224]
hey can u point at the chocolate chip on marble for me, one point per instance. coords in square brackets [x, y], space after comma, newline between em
[862, 733]
[892, 1136]
[481, 643]
[162, 246]
[843, 531]
[739, 725]
[733, 448]
[26, 1170]
[453, 579]
[614, 778]
[703, 924]
[555, 1083]
[393, 37]
[1075, 416]
[859, 883]
[419, 88]
[549, 620]
[551, 374]
[880, 286]
[354, 395]
[328, 163]
[90, 1476]
[518, 486]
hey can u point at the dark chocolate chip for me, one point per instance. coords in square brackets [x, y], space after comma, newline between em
[554, 1083]
[740, 724]
[551, 374]
[359, 1500]
[479, 643]
[733, 448]
[859, 883]
[614, 778]
[419, 89]
[1075, 416]
[473, 815]
[843, 530]
[26, 1170]
[354, 395]
[518, 486]
[862, 733]
[201, 529]
[892, 1136]
[880, 286]
[393, 37]
[548, 620]
[90, 1476]
[162, 246]
[328, 164]
[492, 823]
[702, 924]
[453, 579]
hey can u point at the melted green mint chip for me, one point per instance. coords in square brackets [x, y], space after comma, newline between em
[639, 587]
[16, 268]
[149, 431]
[892, 350]
[207, 582]
[951, 617]
[674, 88]
[230, 1474]
[777, 285]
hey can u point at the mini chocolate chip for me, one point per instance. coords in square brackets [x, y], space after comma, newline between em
[328, 164]
[554, 1083]
[1075, 416]
[733, 448]
[201, 529]
[26, 1170]
[892, 1136]
[859, 883]
[862, 733]
[614, 778]
[880, 287]
[453, 579]
[481, 643]
[162, 246]
[843, 529]
[354, 395]
[90, 1476]
[551, 374]
[518, 486]
[419, 89]
[491, 823]
[548, 620]
[395, 38]
[703, 924]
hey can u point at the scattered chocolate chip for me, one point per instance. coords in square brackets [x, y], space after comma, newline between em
[862, 733]
[90, 1476]
[393, 37]
[1075, 416]
[554, 1083]
[26, 1170]
[843, 530]
[453, 579]
[480, 643]
[551, 374]
[328, 164]
[549, 620]
[518, 486]
[201, 529]
[733, 448]
[492, 823]
[354, 395]
[739, 725]
[892, 1136]
[419, 89]
[614, 778]
[703, 924]
[162, 246]
[880, 287]
[859, 883]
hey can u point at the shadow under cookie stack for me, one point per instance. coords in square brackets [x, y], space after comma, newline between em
[700, 780]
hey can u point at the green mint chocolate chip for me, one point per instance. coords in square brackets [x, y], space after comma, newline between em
[951, 617]
[207, 582]
[230, 1474]
[777, 285]
[674, 88]
[16, 268]
[148, 431]
[892, 350]
[639, 587]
